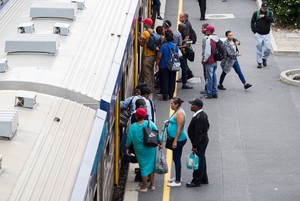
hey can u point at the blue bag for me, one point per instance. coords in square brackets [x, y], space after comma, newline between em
[192, 162]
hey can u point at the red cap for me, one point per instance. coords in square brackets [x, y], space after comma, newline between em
[210, 28]
[148, 21]
[141, 113]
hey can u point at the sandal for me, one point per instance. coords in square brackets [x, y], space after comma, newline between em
[143, 190]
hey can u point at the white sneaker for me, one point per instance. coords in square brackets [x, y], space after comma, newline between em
[173, 179]
[174, 184]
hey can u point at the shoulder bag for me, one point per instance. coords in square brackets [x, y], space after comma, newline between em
[150, 136]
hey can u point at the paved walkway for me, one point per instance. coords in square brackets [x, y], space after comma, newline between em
[254, 152]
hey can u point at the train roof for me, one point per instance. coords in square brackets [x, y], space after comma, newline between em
[81, 68]
[49, 159]
[42, 160]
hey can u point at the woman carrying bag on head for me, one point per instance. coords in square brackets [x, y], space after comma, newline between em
[176, 132]
[146, 156]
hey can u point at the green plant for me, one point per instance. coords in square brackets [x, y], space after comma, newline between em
[286, 12]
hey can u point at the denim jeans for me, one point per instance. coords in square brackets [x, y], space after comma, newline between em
[263, 50]
[237, 68]
[156, 5]
[211, 82]
[177, 158]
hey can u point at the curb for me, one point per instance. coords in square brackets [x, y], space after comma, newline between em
[274, 48]
[284, 77]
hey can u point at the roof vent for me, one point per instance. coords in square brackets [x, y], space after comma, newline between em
[43, 43]
[53, 9]
[80, 4]
[3, 65]
[25, 99]
[26, 28]
[61, 29]
[9, 122]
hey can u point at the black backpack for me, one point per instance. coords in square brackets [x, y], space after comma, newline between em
[154, 41]
[193, 36]
[219, 54]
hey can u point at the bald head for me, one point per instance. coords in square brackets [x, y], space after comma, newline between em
[183, 17]
[181, 27]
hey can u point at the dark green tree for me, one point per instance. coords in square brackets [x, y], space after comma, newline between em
[286, 12]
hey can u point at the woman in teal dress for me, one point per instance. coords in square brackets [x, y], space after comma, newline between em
[146, 156]
[176, 130]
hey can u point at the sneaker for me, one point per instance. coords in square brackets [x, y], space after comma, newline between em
[163, 99]
[259, 65]
[143, 190]
[173, 179]
[203, 92]
[265, 62]
[186, 87]
[152, 188]
[174, 184]
[179, 80]
[159, 17]
[221, 87]
[247, 85]
[207, 97]
[215, 95]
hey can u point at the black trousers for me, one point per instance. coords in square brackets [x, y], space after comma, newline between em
[200, 175]
[202, 4]
[167, 82]
[186, 71]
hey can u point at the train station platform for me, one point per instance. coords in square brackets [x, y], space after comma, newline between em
[254, 152]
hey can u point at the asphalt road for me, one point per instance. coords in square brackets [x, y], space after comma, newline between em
[254, 152]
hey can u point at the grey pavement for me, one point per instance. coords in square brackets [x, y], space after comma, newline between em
[254, 148]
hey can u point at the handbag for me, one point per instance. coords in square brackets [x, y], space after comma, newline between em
[169, 142]
[125, 114]
[161, 166]
[190, 54]
[150, 136]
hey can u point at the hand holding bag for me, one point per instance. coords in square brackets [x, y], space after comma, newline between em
[161, 166]
[192, 162]
[150, 136]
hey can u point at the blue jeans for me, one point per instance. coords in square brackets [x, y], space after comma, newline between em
[263, 44]
[211, 82]
[237, 68]
[177, 158]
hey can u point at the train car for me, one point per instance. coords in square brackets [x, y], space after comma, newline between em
[65, 65]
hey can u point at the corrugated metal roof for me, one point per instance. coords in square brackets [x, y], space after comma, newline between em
[42, 160]
[84, 58]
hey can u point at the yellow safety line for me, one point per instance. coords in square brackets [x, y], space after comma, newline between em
[166, 191]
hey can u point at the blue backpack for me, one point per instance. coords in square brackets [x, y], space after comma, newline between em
[154, 41]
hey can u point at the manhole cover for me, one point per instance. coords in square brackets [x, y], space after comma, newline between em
[219, 16]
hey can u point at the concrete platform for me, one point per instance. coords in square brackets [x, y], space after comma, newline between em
[253, 153]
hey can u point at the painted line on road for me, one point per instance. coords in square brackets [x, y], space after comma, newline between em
[167, 190]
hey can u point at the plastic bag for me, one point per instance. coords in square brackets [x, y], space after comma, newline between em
[192, 162]
[163, 132]
[161, 166]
